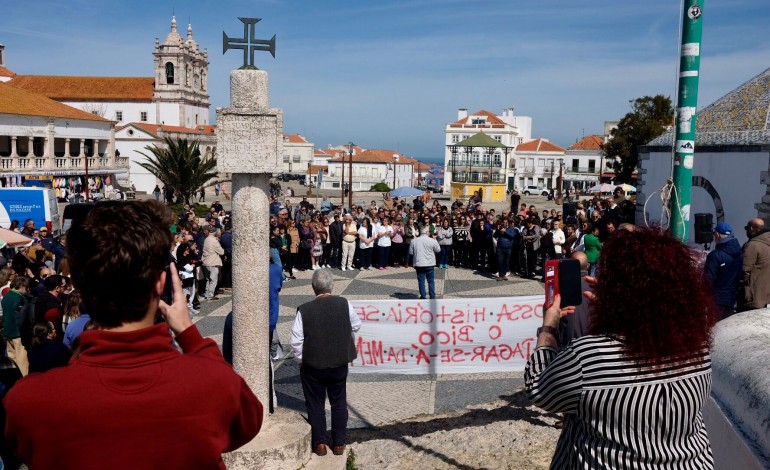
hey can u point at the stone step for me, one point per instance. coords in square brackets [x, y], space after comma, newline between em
[327, 462]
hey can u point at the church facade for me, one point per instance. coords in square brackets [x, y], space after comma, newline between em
[142, 111]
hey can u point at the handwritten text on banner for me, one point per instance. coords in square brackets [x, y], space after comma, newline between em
[446, 336]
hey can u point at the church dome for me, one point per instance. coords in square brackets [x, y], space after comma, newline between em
[173, 37]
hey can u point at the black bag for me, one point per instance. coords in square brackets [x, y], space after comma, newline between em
[27, 321]
[306, 244]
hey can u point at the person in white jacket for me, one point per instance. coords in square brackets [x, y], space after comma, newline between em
[558, 239]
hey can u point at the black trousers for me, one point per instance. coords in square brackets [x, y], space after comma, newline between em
[316, 385]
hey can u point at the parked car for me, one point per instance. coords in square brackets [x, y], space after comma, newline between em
[528, 190]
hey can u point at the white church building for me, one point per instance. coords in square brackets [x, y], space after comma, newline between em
[173, 102]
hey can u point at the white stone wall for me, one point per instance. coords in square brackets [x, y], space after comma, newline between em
[131, 110]
[738, 417]
[734, 174]
[299, 155]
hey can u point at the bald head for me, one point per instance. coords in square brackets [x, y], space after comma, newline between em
[583, 259]
[754, 226]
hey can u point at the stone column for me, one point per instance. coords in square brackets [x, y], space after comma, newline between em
[97, 159]
[249, 144]
[31, 147]
[82, 154]
[67, 149]
[14, 153]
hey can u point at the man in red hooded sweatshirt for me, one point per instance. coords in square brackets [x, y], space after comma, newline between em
[129, 399]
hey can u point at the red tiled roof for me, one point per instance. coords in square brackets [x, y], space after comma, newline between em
[294, 138]
[26, 103]
[4, 72]
[322, 152]
[492, 119]
[313, 169]
[155, 128]
[591, 142]
[208, 129]
[376, 156]
[63, 88]
[538, 145]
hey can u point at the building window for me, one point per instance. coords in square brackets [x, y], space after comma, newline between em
[520, 140]
[499, 138]
[119, 116]
[479, 121]
[296, 159]
[286, 159]
[592, 165]
[541, 162]
[169, 73]
[455, 138]
[143, 116]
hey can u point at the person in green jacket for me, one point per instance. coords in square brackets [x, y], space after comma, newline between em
[12, 304]
[593, 247]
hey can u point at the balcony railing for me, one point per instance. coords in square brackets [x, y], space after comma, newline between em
[478, 178]
[484, 163]
[528, 171]
[591, 170]
[62, 163]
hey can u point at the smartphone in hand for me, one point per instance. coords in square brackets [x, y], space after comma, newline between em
[562, 276]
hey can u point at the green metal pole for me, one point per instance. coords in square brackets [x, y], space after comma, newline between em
[687, 104]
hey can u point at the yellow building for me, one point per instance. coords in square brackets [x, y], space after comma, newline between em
[479, 163]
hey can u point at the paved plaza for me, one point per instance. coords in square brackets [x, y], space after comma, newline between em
[375, 399]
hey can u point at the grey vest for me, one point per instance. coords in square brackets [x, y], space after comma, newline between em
[328, 334]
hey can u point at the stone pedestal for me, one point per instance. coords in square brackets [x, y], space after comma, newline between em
[283, 444]
[250, 148]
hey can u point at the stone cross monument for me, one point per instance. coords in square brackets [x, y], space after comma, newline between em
[249, 147]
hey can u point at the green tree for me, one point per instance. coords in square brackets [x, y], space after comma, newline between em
[650, 116]
[179, 166]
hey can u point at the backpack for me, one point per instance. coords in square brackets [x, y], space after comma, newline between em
[27, 320]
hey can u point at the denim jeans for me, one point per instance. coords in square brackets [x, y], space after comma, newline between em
[443, 256]
[422, 273]
[503, 260]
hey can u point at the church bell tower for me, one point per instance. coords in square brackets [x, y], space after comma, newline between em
[181, 80]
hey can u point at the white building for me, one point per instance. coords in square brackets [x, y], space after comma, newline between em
[508, 129]
[42, 139]
[174, 100]
[538, 164]
[583, 162]
[731, 165]
[297, 154]
[369, 168]
[135, 137]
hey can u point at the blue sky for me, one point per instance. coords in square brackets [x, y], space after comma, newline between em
[391, 74]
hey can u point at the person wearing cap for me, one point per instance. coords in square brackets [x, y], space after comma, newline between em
[723, 269]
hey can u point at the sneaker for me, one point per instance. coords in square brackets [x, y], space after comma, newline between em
[343, 268]
[194, 311]
[362, 268]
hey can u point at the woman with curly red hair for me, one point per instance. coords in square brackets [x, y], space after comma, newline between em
[632, 392]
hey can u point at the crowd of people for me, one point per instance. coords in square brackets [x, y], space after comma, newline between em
[509, 242]
[132, 354]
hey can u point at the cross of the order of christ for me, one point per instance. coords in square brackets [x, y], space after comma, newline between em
[248, 44]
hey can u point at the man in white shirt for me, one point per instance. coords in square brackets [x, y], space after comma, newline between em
[558, 239]
[323, 343]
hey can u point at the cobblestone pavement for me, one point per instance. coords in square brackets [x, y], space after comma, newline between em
[374, 399]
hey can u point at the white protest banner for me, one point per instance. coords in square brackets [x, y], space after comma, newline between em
[446, 336]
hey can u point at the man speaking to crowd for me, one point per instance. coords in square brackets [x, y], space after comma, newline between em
[140, 402]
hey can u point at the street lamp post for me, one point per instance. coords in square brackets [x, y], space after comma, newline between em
[350, 175]
[342, 183]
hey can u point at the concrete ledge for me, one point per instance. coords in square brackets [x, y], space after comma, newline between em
[730, 451]
[284, 443]
[741, 385]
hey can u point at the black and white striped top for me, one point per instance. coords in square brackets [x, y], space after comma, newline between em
[617, 415]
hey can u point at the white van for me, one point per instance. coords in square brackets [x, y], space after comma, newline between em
[38, 204]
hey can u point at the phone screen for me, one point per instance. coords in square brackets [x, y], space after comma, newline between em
[569, 283]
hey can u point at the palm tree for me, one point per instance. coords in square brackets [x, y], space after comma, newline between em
[179, 166]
